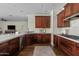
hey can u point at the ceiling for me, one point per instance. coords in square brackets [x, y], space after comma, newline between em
[19, 11]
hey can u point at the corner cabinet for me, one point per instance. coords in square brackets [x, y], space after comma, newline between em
[60, 19]
[42, 21]
[75, 8]
[68, 9]
[71, 9]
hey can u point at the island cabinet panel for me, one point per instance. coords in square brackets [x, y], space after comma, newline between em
[42, 21]
[13, 46]
[68, 9]
[27, 40]
[75, 8]
[4, 49]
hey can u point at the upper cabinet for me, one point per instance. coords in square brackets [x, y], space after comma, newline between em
[60, 19]
[71, 9]
[68, 10]
[75, 8]
[38, 21]
[66, 23]
[42, 21]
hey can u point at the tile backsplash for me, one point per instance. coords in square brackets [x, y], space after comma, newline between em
[73, 29]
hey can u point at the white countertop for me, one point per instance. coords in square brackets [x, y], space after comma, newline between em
[6, 37]
[77, 41]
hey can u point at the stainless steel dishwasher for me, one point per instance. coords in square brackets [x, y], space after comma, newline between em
[21, 42]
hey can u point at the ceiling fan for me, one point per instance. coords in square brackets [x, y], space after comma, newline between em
[2, 19]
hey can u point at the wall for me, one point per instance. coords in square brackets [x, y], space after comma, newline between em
[74, 27]
[52, 27]
[20, 25]
[57, 8]
[56, 30]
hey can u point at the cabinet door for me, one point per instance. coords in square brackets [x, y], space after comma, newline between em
[27, 39]
[42, 21]
[13, 46]
[46, 38]
[55, 41]
[47, 21]
[60, 19]
[68, 9]
[67, 23]
[4, 49]
[39, 38]
[75, 8]
[38, 21]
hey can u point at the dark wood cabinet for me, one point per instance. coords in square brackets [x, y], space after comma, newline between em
[27, 40]
[42, 21]
[13, 46]
[38, 22]
[67, 46]
[68, 9]
[66, 23]
[43, 38]
[60, 19]
[4, 49]
[37, 39]
[10, 47]
[56, 41]
[75, 8]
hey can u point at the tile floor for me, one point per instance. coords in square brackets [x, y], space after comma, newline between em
[29, 50]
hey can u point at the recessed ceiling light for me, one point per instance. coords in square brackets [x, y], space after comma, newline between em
[10, 15]
[21, 11]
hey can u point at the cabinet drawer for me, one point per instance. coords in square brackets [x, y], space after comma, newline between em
[68, 43]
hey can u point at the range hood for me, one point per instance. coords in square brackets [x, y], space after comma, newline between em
[73, 17]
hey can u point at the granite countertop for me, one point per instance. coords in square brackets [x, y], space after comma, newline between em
[71, 37]
[6, 37]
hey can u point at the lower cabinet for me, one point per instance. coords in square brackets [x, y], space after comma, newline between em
[42, 38]
[67, 46]
[56, 41]
[37, 38]
[13, 46]
[4, 49]
[46, 38]
[10, 47]
[27, 39]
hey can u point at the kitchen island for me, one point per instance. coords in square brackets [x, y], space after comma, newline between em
[10, 44]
